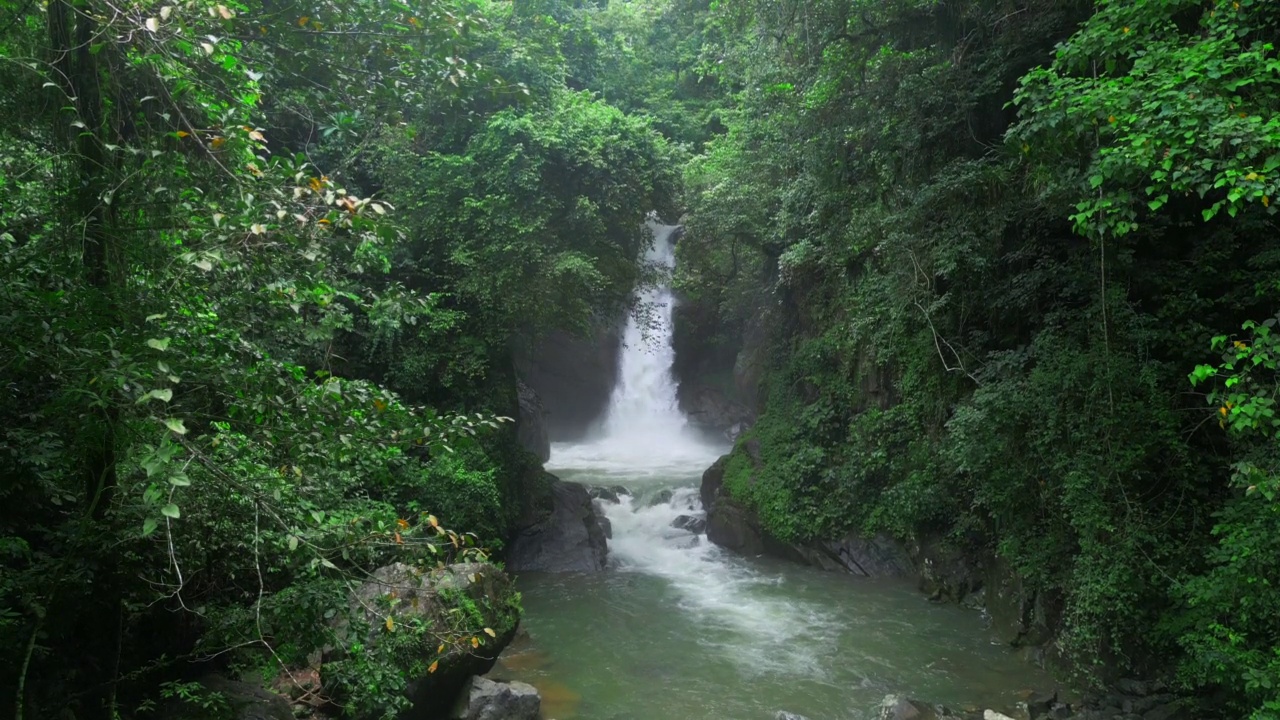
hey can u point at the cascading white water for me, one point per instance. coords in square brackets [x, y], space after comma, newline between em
[645, 443]
[643, 429]
[644, 400]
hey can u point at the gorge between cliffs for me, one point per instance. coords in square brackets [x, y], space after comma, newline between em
[683, 615]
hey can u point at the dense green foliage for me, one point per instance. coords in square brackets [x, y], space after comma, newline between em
[989, 244]
[997, 274]
[256, 259]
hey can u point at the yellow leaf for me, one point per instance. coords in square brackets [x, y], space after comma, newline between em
[391, 624]
[475, 641]
[1126, 31]
[402, 523]
[1251, 176]
[1112, 119]
[381, 405]
[225, 13]
[182, 133]
[302, 21]
[1266, 201]
[490, 632]
[431, 519]
[1223, 411]
[433, 667]
[218, 142]
[255, 135]
[440, 650]
[315, 184]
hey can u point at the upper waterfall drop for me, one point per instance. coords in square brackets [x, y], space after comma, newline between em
[644, 399]
[643, 427]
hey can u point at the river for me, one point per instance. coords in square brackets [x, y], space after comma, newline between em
[679, 629]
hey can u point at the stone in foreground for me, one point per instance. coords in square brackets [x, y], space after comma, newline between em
[568, 538]
[489, 700]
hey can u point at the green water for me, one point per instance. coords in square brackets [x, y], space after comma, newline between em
[685, 631]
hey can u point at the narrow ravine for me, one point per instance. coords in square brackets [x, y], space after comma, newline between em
[678, 628]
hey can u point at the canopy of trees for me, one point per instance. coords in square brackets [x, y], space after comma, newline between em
[264, 266]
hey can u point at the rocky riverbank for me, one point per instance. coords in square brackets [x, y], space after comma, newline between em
[1019, 616]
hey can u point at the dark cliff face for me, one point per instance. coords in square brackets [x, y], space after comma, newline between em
[708, 358]
[573, 377]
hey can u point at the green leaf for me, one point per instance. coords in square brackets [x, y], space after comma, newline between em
[161, 344]
[171, 511]
[149, 526]
[293, 543]
[163, 395]
[175, 424]
[180, 480]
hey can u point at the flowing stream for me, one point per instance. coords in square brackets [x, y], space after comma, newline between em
[678, 629]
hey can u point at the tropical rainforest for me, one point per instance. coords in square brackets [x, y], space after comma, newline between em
[998, 273]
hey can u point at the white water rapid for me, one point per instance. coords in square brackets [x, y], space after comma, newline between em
[646, 445]
[643, 431]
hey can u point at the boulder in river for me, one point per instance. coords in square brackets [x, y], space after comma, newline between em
[692, 523]
[612, 493]
[662, 498]
[597, 506]
[784, 715]
[895, 707]
[398, 595]
[489, 700]
[568, 538]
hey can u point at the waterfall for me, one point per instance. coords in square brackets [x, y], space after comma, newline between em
[644, 400]
[643, 428]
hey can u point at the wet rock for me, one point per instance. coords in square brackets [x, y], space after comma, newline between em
[568, 539]
[662, 498]
[710, 409]
[1038, 705]
[247, 701]
[531, 423]
[489, 700]
[431, 597]
[574, 376]
[993, 715]
[611, 494]
[895, 707]
[784, 715]
[735, 528]
[877, 556]
[692, 523]
[597, 506]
